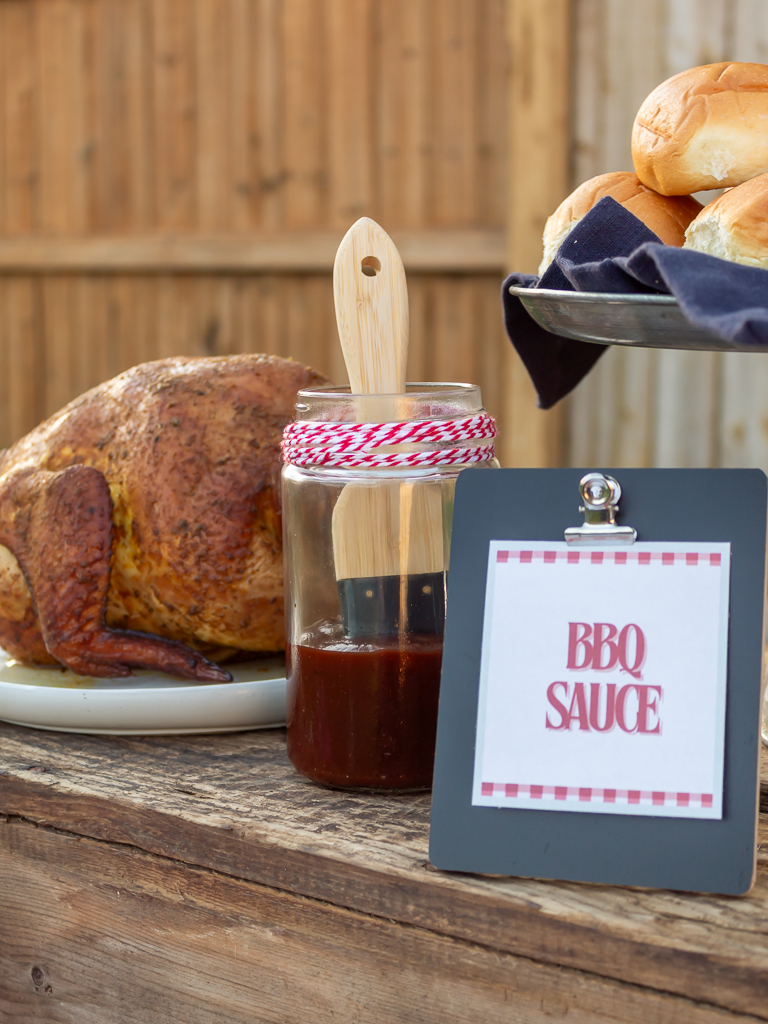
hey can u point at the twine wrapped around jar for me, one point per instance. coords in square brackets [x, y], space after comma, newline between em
[353, 445]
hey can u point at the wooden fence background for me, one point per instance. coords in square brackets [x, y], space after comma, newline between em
[646, 408]
[176, 174]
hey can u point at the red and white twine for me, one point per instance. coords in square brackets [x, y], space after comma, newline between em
[352, 445]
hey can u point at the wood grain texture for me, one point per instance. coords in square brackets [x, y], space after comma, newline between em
[404, 153]
[48, 333]
[21, 339]
[394, 528]
[123, 95]
[640, 408]
[371, 299]
[20, 92]
[125, 120]
[350, 121]
[208, 948]
[234, 805]
[538, 166]
[460, 251]
[305, 127]
[229, 137]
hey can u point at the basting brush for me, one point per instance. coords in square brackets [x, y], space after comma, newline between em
[387, 535]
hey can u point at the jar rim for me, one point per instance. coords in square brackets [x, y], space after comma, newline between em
[415, 389]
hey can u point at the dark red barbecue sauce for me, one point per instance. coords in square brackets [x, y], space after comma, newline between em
[364, 717]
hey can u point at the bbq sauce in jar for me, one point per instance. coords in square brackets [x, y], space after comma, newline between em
[364, 716]
[365, 604]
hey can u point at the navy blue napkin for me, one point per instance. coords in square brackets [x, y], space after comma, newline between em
[610, 250]
[555, 364]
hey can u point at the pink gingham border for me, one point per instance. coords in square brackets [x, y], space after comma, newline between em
[690, 558]
[585, 794]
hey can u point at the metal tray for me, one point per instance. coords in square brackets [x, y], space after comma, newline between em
[646, 321]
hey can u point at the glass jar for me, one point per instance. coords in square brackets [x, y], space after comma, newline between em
[366, 554]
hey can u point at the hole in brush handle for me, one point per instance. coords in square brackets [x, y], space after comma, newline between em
[370, 266]
[386, 606]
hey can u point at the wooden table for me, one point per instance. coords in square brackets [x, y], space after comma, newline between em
[199, 879]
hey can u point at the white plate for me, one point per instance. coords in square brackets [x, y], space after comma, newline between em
[148, 703]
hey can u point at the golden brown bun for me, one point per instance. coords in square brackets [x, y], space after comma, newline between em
[735, 226]
[704, 128]
[666, 216]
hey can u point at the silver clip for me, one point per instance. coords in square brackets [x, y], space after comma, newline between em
[600, 494]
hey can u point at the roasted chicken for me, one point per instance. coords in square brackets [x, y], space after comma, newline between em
[140, 526]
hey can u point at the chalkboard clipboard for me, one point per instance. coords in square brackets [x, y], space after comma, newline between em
[683, 507]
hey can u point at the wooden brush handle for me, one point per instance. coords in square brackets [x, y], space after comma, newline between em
[394, 528]
[371, 299]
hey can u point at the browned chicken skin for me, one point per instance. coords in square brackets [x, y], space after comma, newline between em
[140, 526]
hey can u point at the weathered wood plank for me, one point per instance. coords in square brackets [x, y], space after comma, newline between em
[455, 116]
[493, 357]
[610, 413]
[243, 127]
[62, 129]
[60, 340]
[214, 128]
[538, 179]
[749, 27]
[178, 330]
[22, 344]
[404, 155]
[351, 85]
[174, 122]
[210, 137]
[95, 934]
[455, 319]
[700, 409]
[618, 58]
[698, 32]
[233, 804]
[538, 111]
[19, 87]
[421, 324]
[86, 72]
[305, 96]
[492, 70]
[687, 409]
[62, 333]
[132, 304]
[10, 322]
[743, 434]
[124, 103]
[450, 251]
[266, 129]
[91, 355]
[221, 115]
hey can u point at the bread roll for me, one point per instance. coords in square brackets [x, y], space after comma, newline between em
[704, 128]
[735, 226]
[666, 217]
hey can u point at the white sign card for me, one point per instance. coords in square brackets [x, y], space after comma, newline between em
[603, 679]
